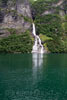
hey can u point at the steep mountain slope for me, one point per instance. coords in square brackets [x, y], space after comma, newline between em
[51, 23]
[15, 26]
[50, 18]
[14, 14]
[49, 6]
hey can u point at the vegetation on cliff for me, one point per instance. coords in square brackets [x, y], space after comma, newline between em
[16, 43]
[50, 23]
[51, 26]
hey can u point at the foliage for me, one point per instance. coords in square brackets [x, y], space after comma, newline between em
[16, 43]
[26, 18]
[51, 28]
[65, 5]
[12, 30]
[57, 46]
[65, 24]
[40, 6]
[49, 25]
[54, 45]
[45, 38]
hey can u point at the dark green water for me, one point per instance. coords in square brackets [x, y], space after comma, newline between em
[33, 77]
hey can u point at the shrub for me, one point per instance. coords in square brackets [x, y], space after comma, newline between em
[16, 43]
[49, 25]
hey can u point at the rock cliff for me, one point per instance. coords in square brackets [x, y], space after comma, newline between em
[60, 6]
[14, 14]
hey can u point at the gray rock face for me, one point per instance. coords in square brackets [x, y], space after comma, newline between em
[61, 5]
[14, 15]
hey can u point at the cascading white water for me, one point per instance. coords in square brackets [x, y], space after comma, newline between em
[38, 47]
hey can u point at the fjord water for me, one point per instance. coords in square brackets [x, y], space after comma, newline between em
[33, 77]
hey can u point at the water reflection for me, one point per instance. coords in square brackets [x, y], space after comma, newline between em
[33, 77]
[37, 59]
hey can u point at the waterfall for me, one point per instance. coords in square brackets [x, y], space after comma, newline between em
[37, 47]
